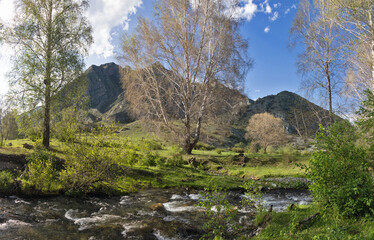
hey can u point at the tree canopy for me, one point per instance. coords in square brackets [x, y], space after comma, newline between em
[50, 38]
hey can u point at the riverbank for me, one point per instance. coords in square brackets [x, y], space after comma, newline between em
[207, 171]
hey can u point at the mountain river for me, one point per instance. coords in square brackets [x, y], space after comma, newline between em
[148, 214]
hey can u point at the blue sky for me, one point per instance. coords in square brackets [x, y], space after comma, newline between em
[274, 64]
[266, 25]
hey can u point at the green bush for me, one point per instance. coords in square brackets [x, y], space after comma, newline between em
[176, 160]
[128, 157]
[89, 167]
[340, 173]
[220, 215]
[66, 129]
[204, 147]
[219, 150]
[41, 173]
[7, 185]
[152, 144]
[238, 150]
[148, 159]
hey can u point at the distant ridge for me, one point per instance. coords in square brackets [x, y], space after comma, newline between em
[108, 102]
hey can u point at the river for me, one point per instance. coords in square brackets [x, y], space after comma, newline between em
[148, 214]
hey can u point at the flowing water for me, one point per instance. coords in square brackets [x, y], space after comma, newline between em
[149, 214]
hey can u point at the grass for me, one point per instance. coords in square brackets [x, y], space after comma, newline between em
[219, 167]
[186, 176]
[285, 225]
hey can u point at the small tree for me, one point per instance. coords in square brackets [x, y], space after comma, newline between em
[265, 129]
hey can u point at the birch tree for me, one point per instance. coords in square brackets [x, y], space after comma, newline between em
[322, 62]
[50, 38]
[179, 59]
[356, 17]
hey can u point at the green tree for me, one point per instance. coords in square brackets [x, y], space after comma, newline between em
[50, 38]
[179, 59]
[339, 171]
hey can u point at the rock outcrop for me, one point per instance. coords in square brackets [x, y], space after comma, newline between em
[107, 99]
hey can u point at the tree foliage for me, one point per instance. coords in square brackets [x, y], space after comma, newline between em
[180, 59]
[339, 171]
[265, 129]
[50, 38]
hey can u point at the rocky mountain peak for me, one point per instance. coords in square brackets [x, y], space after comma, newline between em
[104, 85]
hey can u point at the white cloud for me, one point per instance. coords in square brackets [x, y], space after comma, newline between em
[274, 17]
[247, 11]
[257, 91]
[277, 5]
[288, 10]
[265, 7]
[104, 15]
[267, 29]
[268, 8]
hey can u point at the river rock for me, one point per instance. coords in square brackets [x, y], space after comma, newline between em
[158, 207]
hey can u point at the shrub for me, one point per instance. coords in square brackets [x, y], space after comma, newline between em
[148, 159]
[67, 128]
[128, 157]
[88, 168]
[41, 173]
[254, 147]
[176, 160]
[220, 215]
[219, 150]
[7, 185]
[152, 144]
[339, 172]
[237, 150]
[204, 146]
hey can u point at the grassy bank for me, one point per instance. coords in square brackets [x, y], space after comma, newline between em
[109, 163]
[286, 225]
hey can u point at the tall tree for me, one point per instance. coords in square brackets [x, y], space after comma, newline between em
[50, 38]
[356, 17]
[322, 62]
[180, 59]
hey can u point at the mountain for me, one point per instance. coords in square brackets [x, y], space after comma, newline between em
[108, 102]
[298, 114]
[107, 99]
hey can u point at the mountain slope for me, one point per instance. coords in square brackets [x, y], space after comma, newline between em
[108, 102]
[298, 114]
